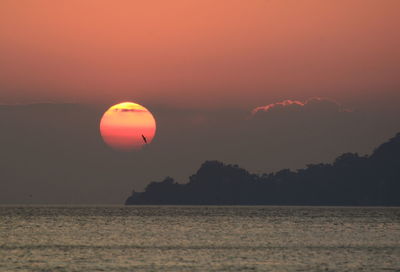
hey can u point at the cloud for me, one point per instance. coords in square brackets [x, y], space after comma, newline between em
[56, 153]
[312, 104]
[129, 110]
[321, 124]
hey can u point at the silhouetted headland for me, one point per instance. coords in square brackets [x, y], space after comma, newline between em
[351, 180]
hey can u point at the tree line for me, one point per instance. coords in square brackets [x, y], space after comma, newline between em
[350, 180]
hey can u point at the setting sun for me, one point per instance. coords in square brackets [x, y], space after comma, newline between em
[127, 126]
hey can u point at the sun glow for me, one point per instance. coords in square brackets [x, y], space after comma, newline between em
[127, 126]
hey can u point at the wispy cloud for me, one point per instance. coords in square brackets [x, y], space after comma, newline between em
[128, 110]
[314, 102]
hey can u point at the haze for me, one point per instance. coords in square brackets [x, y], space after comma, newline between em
[201, 67]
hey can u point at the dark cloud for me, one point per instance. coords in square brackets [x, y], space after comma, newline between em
[129, 110]
[55, 153]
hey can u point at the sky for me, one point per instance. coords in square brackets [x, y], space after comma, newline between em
[264, 84]
[190, 53]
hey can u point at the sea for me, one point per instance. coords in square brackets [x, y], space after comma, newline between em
[199, 238]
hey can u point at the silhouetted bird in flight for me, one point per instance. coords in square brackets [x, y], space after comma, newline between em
[144, 139]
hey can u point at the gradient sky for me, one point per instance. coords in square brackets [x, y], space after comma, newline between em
[264, 84]
[187, 53]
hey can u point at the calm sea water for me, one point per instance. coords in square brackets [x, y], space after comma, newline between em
[159, 238]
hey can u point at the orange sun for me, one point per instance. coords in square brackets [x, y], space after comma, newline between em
[127, 126]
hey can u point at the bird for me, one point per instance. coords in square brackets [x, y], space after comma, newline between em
[144, 139]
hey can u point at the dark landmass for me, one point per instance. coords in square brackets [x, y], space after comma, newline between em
[351, 180]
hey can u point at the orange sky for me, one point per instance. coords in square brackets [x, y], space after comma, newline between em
[190, 53]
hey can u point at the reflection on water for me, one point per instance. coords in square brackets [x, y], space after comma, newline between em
[159, 238]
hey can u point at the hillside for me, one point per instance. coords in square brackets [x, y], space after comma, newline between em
[349, 180]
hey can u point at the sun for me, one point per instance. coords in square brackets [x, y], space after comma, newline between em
[127, 126]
